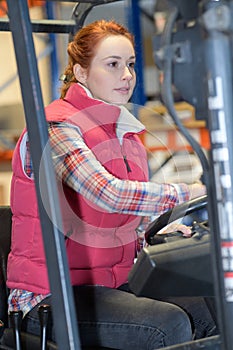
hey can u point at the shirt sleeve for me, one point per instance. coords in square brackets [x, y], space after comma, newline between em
[75, 164]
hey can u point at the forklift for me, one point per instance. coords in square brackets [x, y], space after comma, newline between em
[197, 41]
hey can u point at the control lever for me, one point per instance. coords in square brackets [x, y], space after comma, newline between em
[16, 319]
[1, 328]
[199, 229]
[44, 314]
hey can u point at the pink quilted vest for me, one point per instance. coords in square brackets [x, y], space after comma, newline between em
[101, 246]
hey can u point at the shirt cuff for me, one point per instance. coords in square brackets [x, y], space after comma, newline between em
[183, 192]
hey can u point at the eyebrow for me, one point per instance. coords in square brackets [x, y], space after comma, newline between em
[118, 57]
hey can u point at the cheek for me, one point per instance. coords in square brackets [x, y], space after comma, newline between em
[99, 79]
[101, 86]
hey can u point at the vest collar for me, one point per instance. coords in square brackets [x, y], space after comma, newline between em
[103, 112]
[127, 123]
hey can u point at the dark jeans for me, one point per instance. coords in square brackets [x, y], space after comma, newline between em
[118, 319]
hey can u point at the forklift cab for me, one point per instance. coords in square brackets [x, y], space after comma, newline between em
[216, 48]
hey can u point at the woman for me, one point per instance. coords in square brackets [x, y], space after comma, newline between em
[101, 168]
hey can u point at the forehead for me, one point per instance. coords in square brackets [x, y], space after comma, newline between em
[115, 45]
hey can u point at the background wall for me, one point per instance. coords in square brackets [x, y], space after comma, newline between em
[12, 119]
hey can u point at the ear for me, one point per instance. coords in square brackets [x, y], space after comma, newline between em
[80, 73]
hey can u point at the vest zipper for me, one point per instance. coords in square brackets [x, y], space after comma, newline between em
[127, 165]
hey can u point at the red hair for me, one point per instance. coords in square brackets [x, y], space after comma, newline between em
[83, 48]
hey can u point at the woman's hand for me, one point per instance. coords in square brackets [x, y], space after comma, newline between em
[197, 190]
[185, 230]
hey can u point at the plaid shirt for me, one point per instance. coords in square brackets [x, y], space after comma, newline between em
[75, 164]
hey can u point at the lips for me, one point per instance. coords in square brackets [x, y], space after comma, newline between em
[123, 90]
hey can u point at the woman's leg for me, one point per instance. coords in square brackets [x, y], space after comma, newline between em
[117, 319]
[201, 312]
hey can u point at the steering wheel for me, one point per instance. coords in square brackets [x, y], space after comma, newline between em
[173, 214]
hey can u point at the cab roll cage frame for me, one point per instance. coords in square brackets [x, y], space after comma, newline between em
[217, 45]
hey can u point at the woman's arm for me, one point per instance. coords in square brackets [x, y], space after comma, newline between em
[76, 165]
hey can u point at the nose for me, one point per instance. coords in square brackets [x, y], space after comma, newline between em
[127, 73]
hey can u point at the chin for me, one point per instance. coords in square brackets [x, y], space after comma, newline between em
[122, 101]
[119, 100]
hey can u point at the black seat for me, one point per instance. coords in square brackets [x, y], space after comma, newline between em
[5, 241]
[6, 333]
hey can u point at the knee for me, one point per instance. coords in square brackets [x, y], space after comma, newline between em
[179, 329]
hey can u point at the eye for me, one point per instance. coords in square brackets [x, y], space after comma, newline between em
[131, 65]
[113, 64]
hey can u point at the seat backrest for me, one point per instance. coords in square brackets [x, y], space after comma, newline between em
[5, 242]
